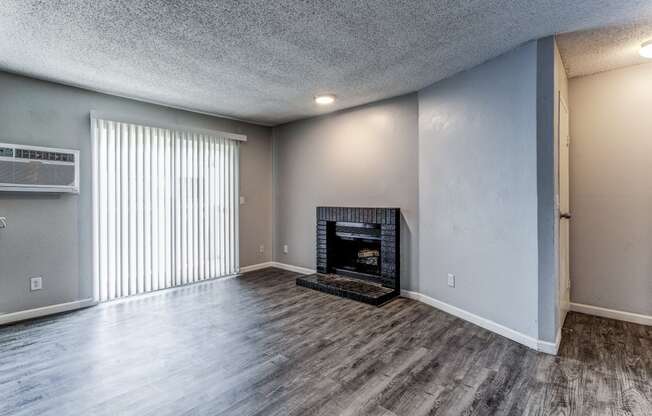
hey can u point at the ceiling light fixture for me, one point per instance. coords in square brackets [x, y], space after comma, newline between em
[325, 99]
[646, 50]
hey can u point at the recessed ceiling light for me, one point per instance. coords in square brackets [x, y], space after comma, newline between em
[646, 49]
[325, 99]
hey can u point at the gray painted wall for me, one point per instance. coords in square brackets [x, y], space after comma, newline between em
[551, 83]
[478, 190]
[611, 196]
[51, 235]
[468, 156]
[460, 159]
[366, 156]
[548, 218]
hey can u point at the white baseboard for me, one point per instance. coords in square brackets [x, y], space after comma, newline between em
[258, 266]
[296, 269]
[492, 326]
[289, 267]
[551, 348]
[612, 313]
[46, 310]
[71, 306]
[528, 341]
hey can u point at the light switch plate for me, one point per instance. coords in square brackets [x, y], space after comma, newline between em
[451, 280]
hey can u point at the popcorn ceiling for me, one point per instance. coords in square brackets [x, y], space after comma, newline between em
[263, 61]
[592, 51]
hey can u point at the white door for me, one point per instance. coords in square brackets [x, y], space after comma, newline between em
[564, 210]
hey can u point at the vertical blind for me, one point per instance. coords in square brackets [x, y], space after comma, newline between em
[165, 207]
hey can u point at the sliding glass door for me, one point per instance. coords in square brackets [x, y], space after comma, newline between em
[165, 208]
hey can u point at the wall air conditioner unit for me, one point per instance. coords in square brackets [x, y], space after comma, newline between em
[38, 169]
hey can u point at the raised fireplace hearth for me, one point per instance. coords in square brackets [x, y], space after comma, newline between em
[357, 254]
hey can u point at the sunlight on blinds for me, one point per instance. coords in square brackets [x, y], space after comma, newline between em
[165, 208]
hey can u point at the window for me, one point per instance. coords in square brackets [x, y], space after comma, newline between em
[165, 207]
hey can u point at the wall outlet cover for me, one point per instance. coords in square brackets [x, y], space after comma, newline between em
[261, 248]
[242, 200]
[35, 283]
[285, 249]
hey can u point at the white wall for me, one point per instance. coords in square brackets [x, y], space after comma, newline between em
[611, 195]
[50, 235]
[478, 190]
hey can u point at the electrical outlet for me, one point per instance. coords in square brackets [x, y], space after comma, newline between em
[35, 283]
[285, 249]
[242, 200]
[451, 280]
[261, 249]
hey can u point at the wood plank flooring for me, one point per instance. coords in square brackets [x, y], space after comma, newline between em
[260, 345]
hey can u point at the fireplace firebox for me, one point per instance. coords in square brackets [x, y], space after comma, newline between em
[356, 249]
[357, 253]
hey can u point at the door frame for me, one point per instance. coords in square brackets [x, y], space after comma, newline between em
[563, 306]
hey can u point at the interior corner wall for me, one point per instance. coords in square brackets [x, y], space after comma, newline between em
[50, 235]
[478, 204]
[611, 196]
[365, 156]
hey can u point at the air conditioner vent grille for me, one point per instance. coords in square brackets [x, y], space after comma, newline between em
[38, 169]
[39, 155]
[25, 173]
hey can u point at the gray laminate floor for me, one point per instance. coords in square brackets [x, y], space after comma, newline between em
[259, 345]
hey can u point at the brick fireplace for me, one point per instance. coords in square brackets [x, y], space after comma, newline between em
[358, 253]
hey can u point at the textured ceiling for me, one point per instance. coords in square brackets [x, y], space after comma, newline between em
[263, 60]
[590, 51]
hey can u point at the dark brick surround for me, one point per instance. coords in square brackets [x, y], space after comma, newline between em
[389, 221]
